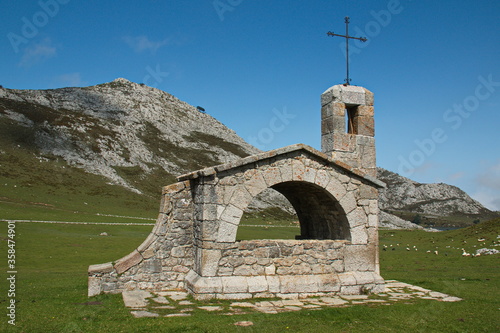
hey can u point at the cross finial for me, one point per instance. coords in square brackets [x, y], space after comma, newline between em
[346, 36]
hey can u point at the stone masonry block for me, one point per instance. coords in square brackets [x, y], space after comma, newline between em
[235, 296]
[174, 188]
[338, 109]
[203, 285]
[210, 262]
[151, 266]
[368, 192]
[206, 230]
[256, 184]
[364, 125]
[272, 176]
[149, 253]
[344, 142]
[360, 258]
[94, 284]
[232, 214]
[224, 193]
[326, 111]
[227, 232]
[128, 261]
[322, 178]
[234, 284]
[353, 95]
[286, 172]
[373, 220]
[348, 202]
[357, 217]
[309, 175]
[328, 283]
[338, 125]
[327, 125]
[363, 278]
[274, 283]
[329, 95]
[298, 170]
[369, 100]
[372, 233]
[368, 159]
[365, 110]
[359, 235]
[241, 198]
[166, 204]
[299, 284]
[209, 212]
[347, 279]
[327, 143]
[257, 284]
[101, 268]
[337, 189]
[373, 206]
[350, 290]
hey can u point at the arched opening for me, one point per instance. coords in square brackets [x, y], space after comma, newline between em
[319, 214]
[269, 216]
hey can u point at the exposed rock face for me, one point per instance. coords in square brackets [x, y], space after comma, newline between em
[403, 194]
[390, 221]
[122, 126]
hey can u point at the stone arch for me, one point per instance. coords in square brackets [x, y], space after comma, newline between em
[320, 214]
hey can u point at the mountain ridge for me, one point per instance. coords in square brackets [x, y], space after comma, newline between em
[112, 127]
[141, 138]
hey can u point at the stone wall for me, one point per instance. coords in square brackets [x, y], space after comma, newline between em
[162, 261]
[288, 269]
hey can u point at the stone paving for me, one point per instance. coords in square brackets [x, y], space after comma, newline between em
[179, 304]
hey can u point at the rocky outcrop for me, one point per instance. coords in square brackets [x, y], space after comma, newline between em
[403, 194]
[122, 129]
[389, 221]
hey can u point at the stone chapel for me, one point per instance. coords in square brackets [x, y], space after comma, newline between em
[334, 192]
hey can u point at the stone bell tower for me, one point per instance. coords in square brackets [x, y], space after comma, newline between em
[348, 127]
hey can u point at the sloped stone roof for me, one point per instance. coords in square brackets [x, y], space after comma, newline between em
[277, 152]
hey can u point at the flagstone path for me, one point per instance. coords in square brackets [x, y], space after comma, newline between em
[178, 304]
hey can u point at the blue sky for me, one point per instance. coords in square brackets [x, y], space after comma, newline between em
[260, 66]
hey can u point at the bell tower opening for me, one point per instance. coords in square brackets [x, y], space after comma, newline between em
[350, 114]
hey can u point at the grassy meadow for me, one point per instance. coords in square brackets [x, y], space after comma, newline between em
[51, 284]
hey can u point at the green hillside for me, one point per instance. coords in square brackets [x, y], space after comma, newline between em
[37, 186]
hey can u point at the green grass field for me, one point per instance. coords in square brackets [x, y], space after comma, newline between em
[51, 285]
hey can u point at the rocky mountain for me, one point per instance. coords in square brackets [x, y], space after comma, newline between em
[404, 194]
[124, 131]
[410, 198]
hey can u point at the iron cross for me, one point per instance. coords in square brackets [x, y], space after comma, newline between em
[346, 36]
